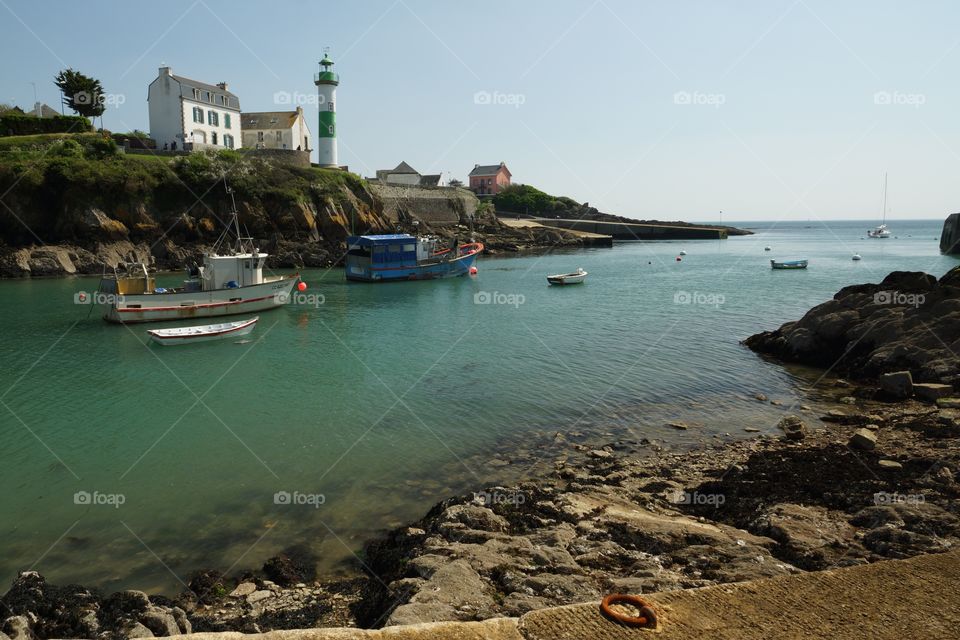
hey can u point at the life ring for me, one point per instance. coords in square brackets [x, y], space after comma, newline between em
[646, 616]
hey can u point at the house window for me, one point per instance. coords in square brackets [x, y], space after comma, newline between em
[279, 137]
[206, 96]
[213, 137]
[223, 100]
[196, 94]
[330, 106]
[259, 136]
[198, 114]
[213, 118]
[228, 141]
[226, 121]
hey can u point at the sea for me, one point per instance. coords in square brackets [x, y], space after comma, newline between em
[357, 407]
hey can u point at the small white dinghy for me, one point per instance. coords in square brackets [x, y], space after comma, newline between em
[203, 333]
[576, 277]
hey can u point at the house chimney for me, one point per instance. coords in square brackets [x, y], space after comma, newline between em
[299, 110]
[223, 85]
[165, 71]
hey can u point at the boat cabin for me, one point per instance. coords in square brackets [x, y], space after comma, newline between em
[368, 256]
[231, 272]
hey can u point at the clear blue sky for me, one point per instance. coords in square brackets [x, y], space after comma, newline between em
[783, 116]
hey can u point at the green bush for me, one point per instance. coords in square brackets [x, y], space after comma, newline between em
[522, 198]
[14, 124]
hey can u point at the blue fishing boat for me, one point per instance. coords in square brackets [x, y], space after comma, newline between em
[788, 264]
[401, 256]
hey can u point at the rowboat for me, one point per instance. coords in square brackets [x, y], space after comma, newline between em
[788, 264]
[577, 277]
[203, 333]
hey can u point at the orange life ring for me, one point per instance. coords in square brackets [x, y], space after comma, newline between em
[646, 618]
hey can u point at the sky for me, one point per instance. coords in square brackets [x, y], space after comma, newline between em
[770, 109]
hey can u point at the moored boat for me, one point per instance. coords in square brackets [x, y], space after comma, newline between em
[226, 284]
[788, 264]
[881, 231]
[577, 277]
[203, 333]
[400, 256]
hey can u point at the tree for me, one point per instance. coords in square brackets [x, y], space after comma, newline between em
[81, 93]
[454, 182]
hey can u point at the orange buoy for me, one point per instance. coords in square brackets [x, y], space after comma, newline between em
[301, 286]
[679, 259]
[647, 616]
[473, 271]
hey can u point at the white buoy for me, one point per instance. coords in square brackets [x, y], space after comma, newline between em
[856, 256]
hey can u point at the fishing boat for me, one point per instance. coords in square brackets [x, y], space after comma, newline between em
[577, 277]
[788, 264]
[856, 257]
[881, 231]
[400, 256]
[203, 333]
[229, 282]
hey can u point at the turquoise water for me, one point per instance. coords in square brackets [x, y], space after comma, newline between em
[385, 398]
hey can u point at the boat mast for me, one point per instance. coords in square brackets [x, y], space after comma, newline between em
[884, 198]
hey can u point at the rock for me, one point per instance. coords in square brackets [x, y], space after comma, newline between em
[243, 590]
[809, 536]
[292, 565]
[182, 620]
[897, 384]
[600, 454]
[948, 403]
[160, 622]
[793, 427]
[872, 427]
[18, 628]
[135, 630]
[760, 397]
[889, 464]
[678, 425]
[932, 391]
[863, 439]
[751, 429]
[257, 596]
[835, 415]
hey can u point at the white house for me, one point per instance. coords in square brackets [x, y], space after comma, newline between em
[186, 114]
[276, 130]
[403, 173]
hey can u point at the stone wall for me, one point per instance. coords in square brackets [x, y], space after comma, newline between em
[442, 206]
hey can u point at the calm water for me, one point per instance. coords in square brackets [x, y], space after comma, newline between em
[384, 399]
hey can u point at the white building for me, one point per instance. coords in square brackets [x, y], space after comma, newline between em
[186, 114]
[403, 173]
[276, 130]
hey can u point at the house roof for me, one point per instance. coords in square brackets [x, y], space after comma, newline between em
[187, 86]
[268, 119]
[44, 110]
[488, 169]
[403, 167]
[430, 180]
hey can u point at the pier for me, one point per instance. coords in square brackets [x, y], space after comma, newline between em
[636, 230]
[589, 238]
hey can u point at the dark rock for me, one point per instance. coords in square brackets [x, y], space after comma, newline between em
[293, 565]
[863, 439]
[932, 391]
[793, 427]
[897, 384]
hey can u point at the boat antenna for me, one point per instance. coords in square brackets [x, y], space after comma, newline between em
[233, 208]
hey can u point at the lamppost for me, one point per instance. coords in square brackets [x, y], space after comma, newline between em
[36, 106]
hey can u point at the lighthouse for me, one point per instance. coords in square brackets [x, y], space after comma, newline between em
[327, 81]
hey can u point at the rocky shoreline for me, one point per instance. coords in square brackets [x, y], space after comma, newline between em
[873, 478]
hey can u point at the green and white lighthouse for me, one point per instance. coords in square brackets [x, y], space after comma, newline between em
[327, 81]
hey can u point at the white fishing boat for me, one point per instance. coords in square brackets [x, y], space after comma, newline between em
[577, 277]
[229, 282]
[857, 256]
[881, 231]
[203, 333]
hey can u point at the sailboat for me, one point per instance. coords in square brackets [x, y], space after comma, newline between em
[881, 231]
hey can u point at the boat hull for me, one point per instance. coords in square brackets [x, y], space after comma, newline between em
[229, 332]
[158, 307]
[444, 269]
[796, 264]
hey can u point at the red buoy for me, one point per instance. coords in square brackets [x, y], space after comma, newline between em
[301, 286]
[473, 271]
[679, 259]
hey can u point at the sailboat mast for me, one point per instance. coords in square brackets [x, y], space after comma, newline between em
[884, 197]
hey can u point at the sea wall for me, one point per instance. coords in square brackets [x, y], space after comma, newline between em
[441, 206]
[633, 231]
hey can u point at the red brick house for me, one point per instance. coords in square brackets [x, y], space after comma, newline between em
[489, 179]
